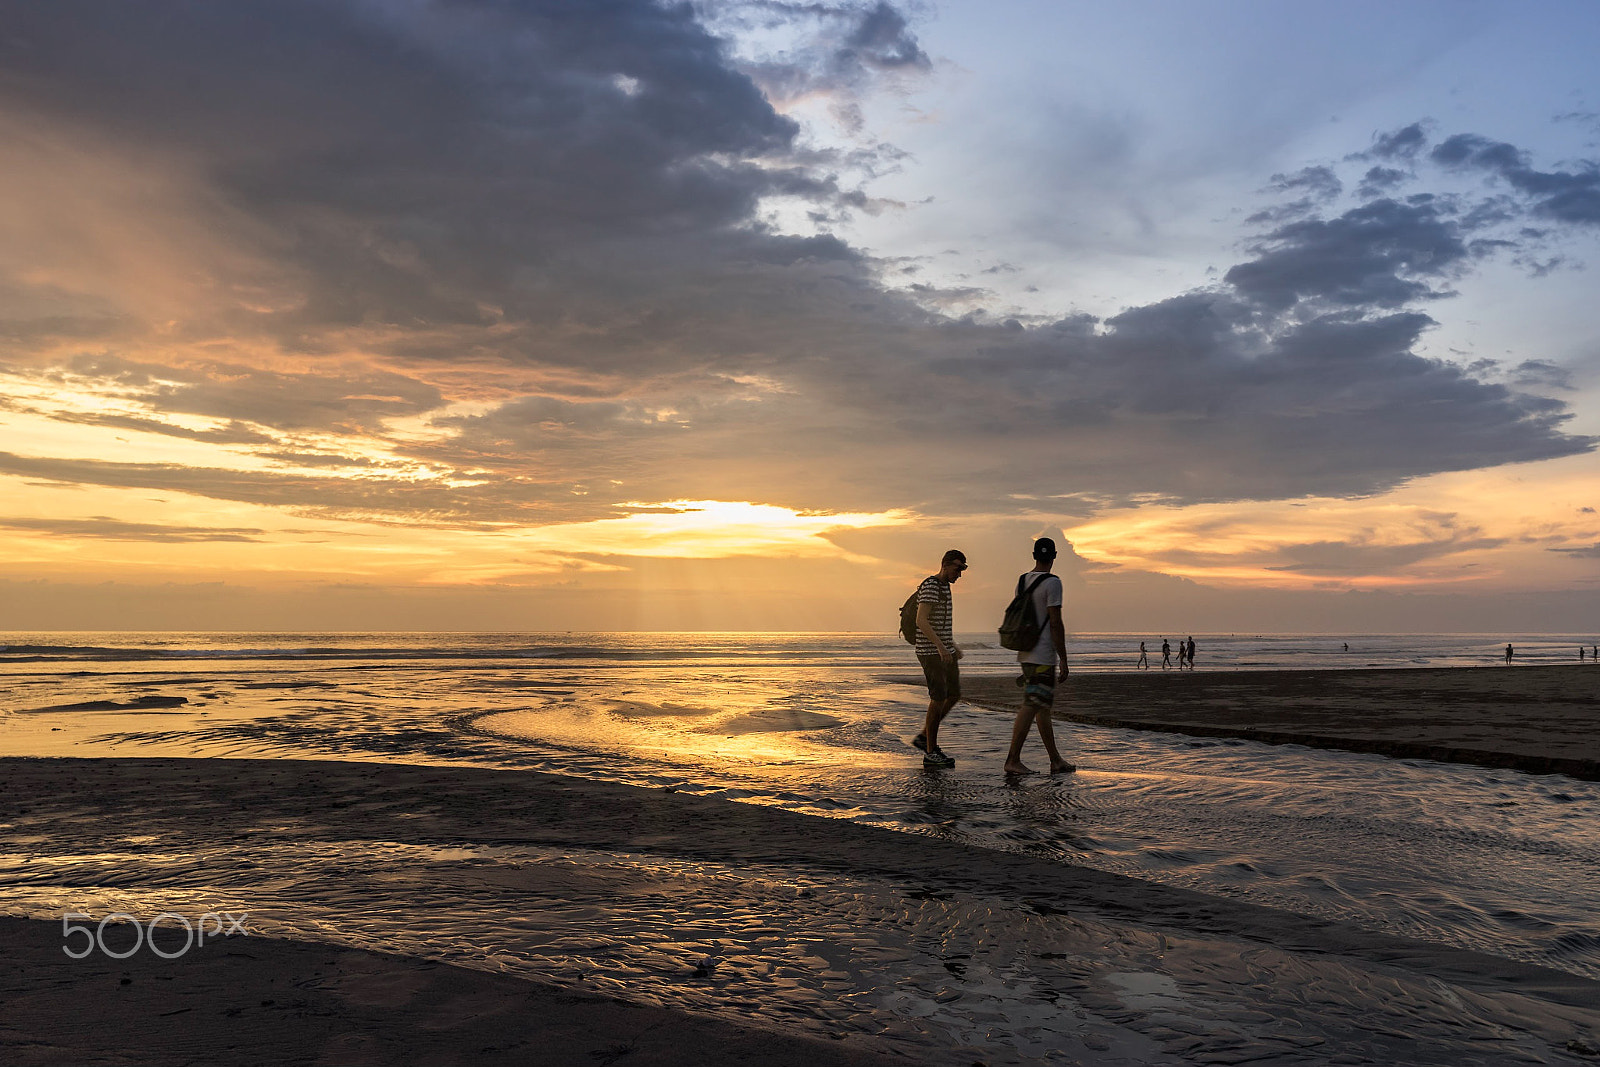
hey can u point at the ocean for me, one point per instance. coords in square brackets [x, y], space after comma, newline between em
[1493, 860]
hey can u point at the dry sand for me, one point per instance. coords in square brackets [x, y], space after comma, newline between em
[1138, 973]
[1544, 720]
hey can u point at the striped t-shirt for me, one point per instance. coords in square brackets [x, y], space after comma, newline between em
[936, 591]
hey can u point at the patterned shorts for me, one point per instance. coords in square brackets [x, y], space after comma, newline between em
[1039, 683]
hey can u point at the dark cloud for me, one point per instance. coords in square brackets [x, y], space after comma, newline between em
[1383, 254]
[1564, 196]
[1320, 182]
[107, 529]
[1584, 552]
[840, 46]
[1380, 181]
[441, 189]
[1402, 144]
[1541, 374]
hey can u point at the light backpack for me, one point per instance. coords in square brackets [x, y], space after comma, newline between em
[1020, 629]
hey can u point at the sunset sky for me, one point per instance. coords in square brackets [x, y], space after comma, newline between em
[607, 314]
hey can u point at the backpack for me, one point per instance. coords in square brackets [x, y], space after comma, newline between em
[1020, 629]
[908, 617]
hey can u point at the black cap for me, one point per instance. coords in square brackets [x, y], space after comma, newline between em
[1044, 548]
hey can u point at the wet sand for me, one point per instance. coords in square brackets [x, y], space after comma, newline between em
[272, 1001]
[1109, 970]
[1543, 720]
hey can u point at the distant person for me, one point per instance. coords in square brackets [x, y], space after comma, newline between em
[1581, 651]
[1144, 657]
[1166, 654]
[1594, 653]
[1039, 663]
[1509, 652]
[938, 654]
[1347, 646]
[1190, 652]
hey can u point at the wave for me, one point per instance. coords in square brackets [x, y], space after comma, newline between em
[101, 653]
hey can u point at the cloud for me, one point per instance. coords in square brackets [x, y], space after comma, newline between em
[1320, 182]
[1347, 559]
[435, 207]
[1570, 196]
[1403, 144]
[1582, 552]
[241, 394]
[1379, 181]
[107, 529]
[1377, 255]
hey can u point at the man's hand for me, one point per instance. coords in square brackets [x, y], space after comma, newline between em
[957, 650]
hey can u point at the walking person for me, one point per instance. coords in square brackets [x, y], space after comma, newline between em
[1166, 654]
[938, 654]
[1144, 658]
[1189, 651]
[1509, 653]
[1040, 662]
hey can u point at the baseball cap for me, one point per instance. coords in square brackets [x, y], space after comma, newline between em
[1044, 548]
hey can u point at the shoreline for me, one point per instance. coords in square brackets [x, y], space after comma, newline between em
[1137, 970]
[1539, 719]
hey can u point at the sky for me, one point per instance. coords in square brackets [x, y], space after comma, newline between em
[614, 315]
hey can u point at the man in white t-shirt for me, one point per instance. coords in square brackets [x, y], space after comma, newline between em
[1039, 663]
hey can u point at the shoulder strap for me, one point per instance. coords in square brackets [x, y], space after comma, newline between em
[1037, 582]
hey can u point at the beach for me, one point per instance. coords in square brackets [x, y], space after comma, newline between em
[728, 852]
[1541, 719]
[1118, 971]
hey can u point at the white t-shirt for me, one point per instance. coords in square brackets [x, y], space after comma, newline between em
[1046, 595]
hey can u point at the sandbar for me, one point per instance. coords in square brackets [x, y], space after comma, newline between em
[1543, 719]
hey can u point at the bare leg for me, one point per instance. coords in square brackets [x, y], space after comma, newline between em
[1019, 734]
[1047, 734]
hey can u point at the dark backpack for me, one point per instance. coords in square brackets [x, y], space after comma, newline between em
[908, 616]
[1020, 629]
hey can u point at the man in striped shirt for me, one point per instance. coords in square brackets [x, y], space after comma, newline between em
[938, 654]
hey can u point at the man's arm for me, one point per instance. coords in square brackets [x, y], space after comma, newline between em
[1058, 636]
[924, 615]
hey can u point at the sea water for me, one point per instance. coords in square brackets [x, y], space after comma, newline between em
[1494, 860]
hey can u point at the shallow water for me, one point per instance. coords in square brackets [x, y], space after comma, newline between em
[1492, 860]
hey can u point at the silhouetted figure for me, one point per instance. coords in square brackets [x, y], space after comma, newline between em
[1509, 653]
[1190, 651]
[1581, 651]
[938, 653]
[1040, 662]
[1166, 654]
[1347, 646]
[1144, 657]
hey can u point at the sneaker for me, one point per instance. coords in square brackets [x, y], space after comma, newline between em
[938, 759]
[920, 741]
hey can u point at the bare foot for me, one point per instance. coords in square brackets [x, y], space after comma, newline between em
[1062, 767]
[1016, 767]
